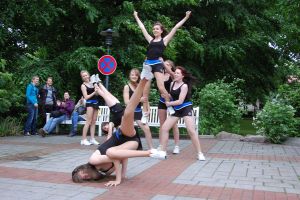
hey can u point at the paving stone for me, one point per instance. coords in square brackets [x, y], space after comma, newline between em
[237, 147]
[9, 150]
[23, 189]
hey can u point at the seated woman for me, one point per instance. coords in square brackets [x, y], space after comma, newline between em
[123, 143]
[63, 112]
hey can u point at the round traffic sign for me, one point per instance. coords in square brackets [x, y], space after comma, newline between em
[107, 64]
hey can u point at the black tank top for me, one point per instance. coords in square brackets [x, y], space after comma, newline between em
[175, 93]
[131, 93]
[167, 84]
[90, 91]
[155, 50]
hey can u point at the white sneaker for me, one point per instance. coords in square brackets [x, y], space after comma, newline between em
[171, 110]
[159, 155]
[146, 72]
[85, 142]
[145, 118]
[201, 156]
[94, 141]
[97, 79]
[153, 151]
[176, 150]
[93, 79]
[159, 148]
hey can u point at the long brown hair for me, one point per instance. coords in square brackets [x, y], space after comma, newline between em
[88, 168]
[188, 78]
[165, 32]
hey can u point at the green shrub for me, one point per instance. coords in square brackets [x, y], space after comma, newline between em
[10, 126]
[291, 94]
[276, 121]
[297, 132]
[218, 107]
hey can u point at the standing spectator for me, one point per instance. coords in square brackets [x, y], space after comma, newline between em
[63, 112]
[78, 115]
[47, 98]
[92, 106]
[32, 106]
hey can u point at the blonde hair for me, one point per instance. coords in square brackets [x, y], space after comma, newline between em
[137, 71]
[172, 64]
[84, 71]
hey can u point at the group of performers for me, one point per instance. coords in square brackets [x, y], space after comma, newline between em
[174, 85]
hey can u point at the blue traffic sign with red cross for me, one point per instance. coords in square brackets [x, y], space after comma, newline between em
[107, 64]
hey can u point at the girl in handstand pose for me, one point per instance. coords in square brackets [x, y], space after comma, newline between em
[157, 45]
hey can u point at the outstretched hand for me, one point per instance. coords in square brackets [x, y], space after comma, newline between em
[188, 13]
[135, 13]
[112, 183]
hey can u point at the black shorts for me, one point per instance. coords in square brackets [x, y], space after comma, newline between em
[138, 115]
[117, 112]
[117, 139]
[186, 111]
[162, 105]
[158, 68]
[95, 103]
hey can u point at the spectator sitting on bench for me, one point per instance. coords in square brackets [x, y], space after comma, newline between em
[63, 112]
[79, 114]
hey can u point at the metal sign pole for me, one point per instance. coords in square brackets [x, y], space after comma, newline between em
[107, 76]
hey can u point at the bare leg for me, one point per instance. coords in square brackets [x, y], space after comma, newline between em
[146, 91]
[162, 115]
[190, 125]
[161, 87]
[97, 158]
[127, 125]
[93, 123]
[169, 123]
[110, 100]
[89, 115]
[176, 134]
[147, 132]
[126, 150]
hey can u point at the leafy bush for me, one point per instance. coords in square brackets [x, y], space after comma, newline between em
[276, 121]
[297, 133]
[10, 126]
[291, 94]
[7, 88]
[218, 107]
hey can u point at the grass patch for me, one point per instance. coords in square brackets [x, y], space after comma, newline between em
[10, 126]
[246, 127]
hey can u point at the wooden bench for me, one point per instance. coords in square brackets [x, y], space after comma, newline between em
[104, 112]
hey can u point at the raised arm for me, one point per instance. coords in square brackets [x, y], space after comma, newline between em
[126, 94]
[142, 27]
[168, 37]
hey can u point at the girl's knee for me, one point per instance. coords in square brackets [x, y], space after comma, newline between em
[111, 152]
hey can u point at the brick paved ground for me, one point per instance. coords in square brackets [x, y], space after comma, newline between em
[39, 168]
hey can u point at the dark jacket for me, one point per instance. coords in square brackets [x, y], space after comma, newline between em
[43, 95]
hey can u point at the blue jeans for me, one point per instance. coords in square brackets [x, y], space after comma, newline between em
[75, 119]
[52, 122]
[30, 125]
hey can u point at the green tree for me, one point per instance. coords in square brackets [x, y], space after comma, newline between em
[222, 38]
